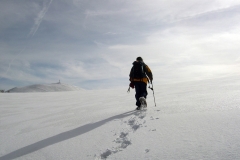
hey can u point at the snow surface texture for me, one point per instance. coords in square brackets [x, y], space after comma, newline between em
[192, 120]
[54, 87]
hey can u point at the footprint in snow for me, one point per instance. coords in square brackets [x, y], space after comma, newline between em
[133, 123]
[147, 150]
[122, 140]
[141, 114]
[105, 154]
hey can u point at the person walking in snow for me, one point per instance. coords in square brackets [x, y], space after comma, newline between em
[140, 75]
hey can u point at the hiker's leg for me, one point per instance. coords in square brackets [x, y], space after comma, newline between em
[137, 86]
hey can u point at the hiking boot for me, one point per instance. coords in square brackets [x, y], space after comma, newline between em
[143, 102]
[138, 108]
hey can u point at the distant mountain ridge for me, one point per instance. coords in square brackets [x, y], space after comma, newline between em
[54, 87]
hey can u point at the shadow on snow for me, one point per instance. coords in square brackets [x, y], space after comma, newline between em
[62, 137]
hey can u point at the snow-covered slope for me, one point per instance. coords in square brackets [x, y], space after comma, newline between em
[54, 87]
[192, 120]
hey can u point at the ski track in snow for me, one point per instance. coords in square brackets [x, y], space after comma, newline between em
[133, 124]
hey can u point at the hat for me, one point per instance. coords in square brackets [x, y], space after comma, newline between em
[139, 59]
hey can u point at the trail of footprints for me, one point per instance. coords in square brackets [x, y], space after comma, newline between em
[123, 141]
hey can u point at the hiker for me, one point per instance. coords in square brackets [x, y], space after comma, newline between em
[140, 75]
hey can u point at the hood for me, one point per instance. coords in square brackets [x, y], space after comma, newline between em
[138, 62]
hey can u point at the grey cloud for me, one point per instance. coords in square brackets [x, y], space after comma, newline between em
[96, 41]
[216, 20]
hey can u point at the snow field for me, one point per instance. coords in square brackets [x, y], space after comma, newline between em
[191, 121]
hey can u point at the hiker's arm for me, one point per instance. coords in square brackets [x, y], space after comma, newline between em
[149, 73]
[130, 78]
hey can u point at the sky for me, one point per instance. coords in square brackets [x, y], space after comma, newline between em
[92, 44]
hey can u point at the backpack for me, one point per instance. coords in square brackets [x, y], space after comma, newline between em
[138, 70]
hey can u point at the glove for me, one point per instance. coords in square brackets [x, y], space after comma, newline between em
[131, 85]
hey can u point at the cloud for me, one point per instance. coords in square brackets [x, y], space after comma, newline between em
[40, 17]
[88, 42]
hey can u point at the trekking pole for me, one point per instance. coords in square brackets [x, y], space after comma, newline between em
[153, 93]
[128, 89]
